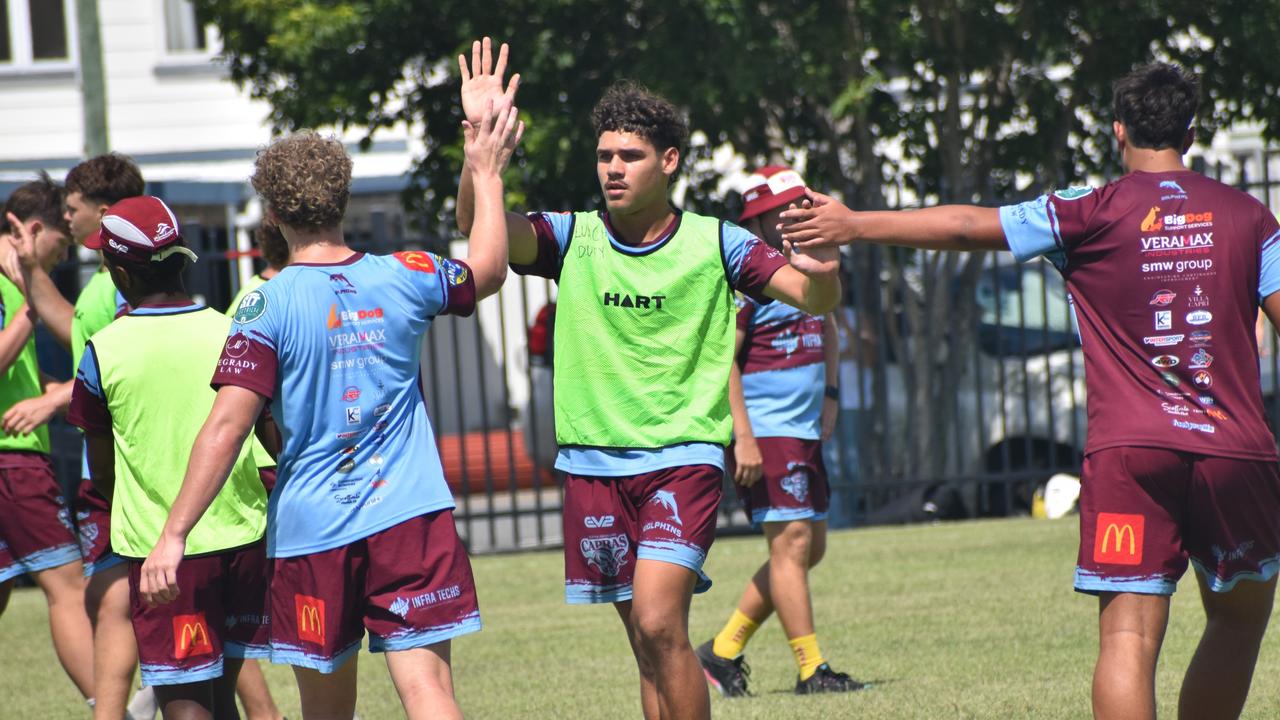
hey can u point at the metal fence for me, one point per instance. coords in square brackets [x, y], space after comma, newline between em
[962, 375]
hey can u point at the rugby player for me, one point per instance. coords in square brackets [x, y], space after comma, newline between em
[642, 373]
[784, 395]
[36, 533]
[361, 532]
[1166, 269]
[140, 395]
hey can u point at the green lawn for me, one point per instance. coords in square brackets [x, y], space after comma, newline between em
[967, 620]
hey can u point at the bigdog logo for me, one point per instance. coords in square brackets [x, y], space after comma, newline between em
[1118, 539]
[310, 618]
[190, 636]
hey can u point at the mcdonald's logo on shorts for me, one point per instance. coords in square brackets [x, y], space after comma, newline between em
[190, 636]
[310, 618]
[1118, 539]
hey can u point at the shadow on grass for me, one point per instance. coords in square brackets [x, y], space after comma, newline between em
[870, 685]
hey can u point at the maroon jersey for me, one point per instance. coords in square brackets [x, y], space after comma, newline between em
[1164, 272]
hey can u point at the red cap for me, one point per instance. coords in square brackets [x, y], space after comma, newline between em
[770, 187]
[139, 229]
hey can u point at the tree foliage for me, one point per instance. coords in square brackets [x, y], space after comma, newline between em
[886, 102]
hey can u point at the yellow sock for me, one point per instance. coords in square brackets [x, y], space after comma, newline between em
[733, 638]
[808, 656]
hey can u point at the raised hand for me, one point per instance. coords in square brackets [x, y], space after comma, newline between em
[482, 81]
[491, 142]
[819, 221]
[23, 242]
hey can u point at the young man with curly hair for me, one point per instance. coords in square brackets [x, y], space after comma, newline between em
[36, 532]
[360, 526]
[1166, 269]
[642, 372]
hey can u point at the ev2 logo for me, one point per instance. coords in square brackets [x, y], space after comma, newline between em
[599, 521]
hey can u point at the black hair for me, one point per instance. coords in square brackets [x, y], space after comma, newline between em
[1156, 104]
[151, 278]
[628, 106]
[40, 199]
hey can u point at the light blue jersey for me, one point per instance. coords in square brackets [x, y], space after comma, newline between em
[336, 349]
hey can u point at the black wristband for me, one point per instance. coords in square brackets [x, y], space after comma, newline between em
[832, 392]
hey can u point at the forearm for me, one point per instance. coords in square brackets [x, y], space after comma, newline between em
[738, 407]
[53, 309]
[14, 338]
[216, 450]
[487, 252]
[464, 211]
[821, 292]
[831, 350]
[946, 227]
[59, 395]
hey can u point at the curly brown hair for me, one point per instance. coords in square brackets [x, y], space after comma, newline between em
[628, 106]
[275, 249]
[106, 179]
[305, 179]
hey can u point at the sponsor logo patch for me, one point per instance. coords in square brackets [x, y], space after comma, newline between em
[606, 553]
[417, 260]
[1199, 317]
[1165, 361]
[251, 307]
[1162, 340]
[191, 636]
[1118, 539]
[1162, 298]
[310, 611]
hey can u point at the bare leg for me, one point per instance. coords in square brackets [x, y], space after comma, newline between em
[5, 588]
[1217, 681]
[660, 620]
[115, 652]
[424, 681]
[328, 697]
[757, 601]
[252, 688]
[1131, 630]
[648, 686]
[64, 588]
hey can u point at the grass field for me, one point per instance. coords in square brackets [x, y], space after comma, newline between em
[966, 620]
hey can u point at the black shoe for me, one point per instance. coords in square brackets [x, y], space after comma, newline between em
[827, 680]
[727, 676]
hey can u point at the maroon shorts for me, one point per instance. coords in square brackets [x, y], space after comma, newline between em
[268, 476]
[1145, 511]
[610, 522]
[93, 519]
[35, 525]
[220, 610]
[410, 585]
[792, 484]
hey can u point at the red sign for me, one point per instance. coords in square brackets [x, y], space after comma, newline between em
[310, 618]
[1118, 539]
[190, 636]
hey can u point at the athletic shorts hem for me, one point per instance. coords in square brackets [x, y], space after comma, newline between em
[768, 515]
[46, 559]
[102, 564]
[281, 655]
[1269, 569]
[240, 651]
[1093, 585]
[677, 555]
[183, 676]
[578, 595]
[423, 638]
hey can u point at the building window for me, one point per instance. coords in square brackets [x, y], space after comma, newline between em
[183, 31]
[34, 31]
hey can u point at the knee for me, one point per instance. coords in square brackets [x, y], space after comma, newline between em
[794, 544]
[657, 636]
[817, 551]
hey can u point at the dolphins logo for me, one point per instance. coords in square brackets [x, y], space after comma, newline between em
[667, 499]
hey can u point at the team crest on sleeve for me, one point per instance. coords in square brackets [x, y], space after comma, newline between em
[417, 260]
[251, 307]
[1072, 193]
[455, 272]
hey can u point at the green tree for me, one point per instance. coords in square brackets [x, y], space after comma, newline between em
[887, 103]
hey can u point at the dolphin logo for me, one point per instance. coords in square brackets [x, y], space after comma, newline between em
[1172, 185]
[667, 499]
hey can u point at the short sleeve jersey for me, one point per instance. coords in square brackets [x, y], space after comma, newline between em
[749, 265]
[783, 369]
[1165, 272]
[336, 350]
[254, 283]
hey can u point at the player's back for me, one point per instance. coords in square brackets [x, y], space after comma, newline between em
[1164, 269]
[359, 455]
[782, 369]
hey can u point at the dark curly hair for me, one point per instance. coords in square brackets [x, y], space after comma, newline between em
[628, 106]
[1156, 104]
[41, 198]
[305, 179]
[275, 249]
[106, 179]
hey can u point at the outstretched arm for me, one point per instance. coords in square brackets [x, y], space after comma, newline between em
[946, 227]
[234, 413]
[482, 83]
[489, 146]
